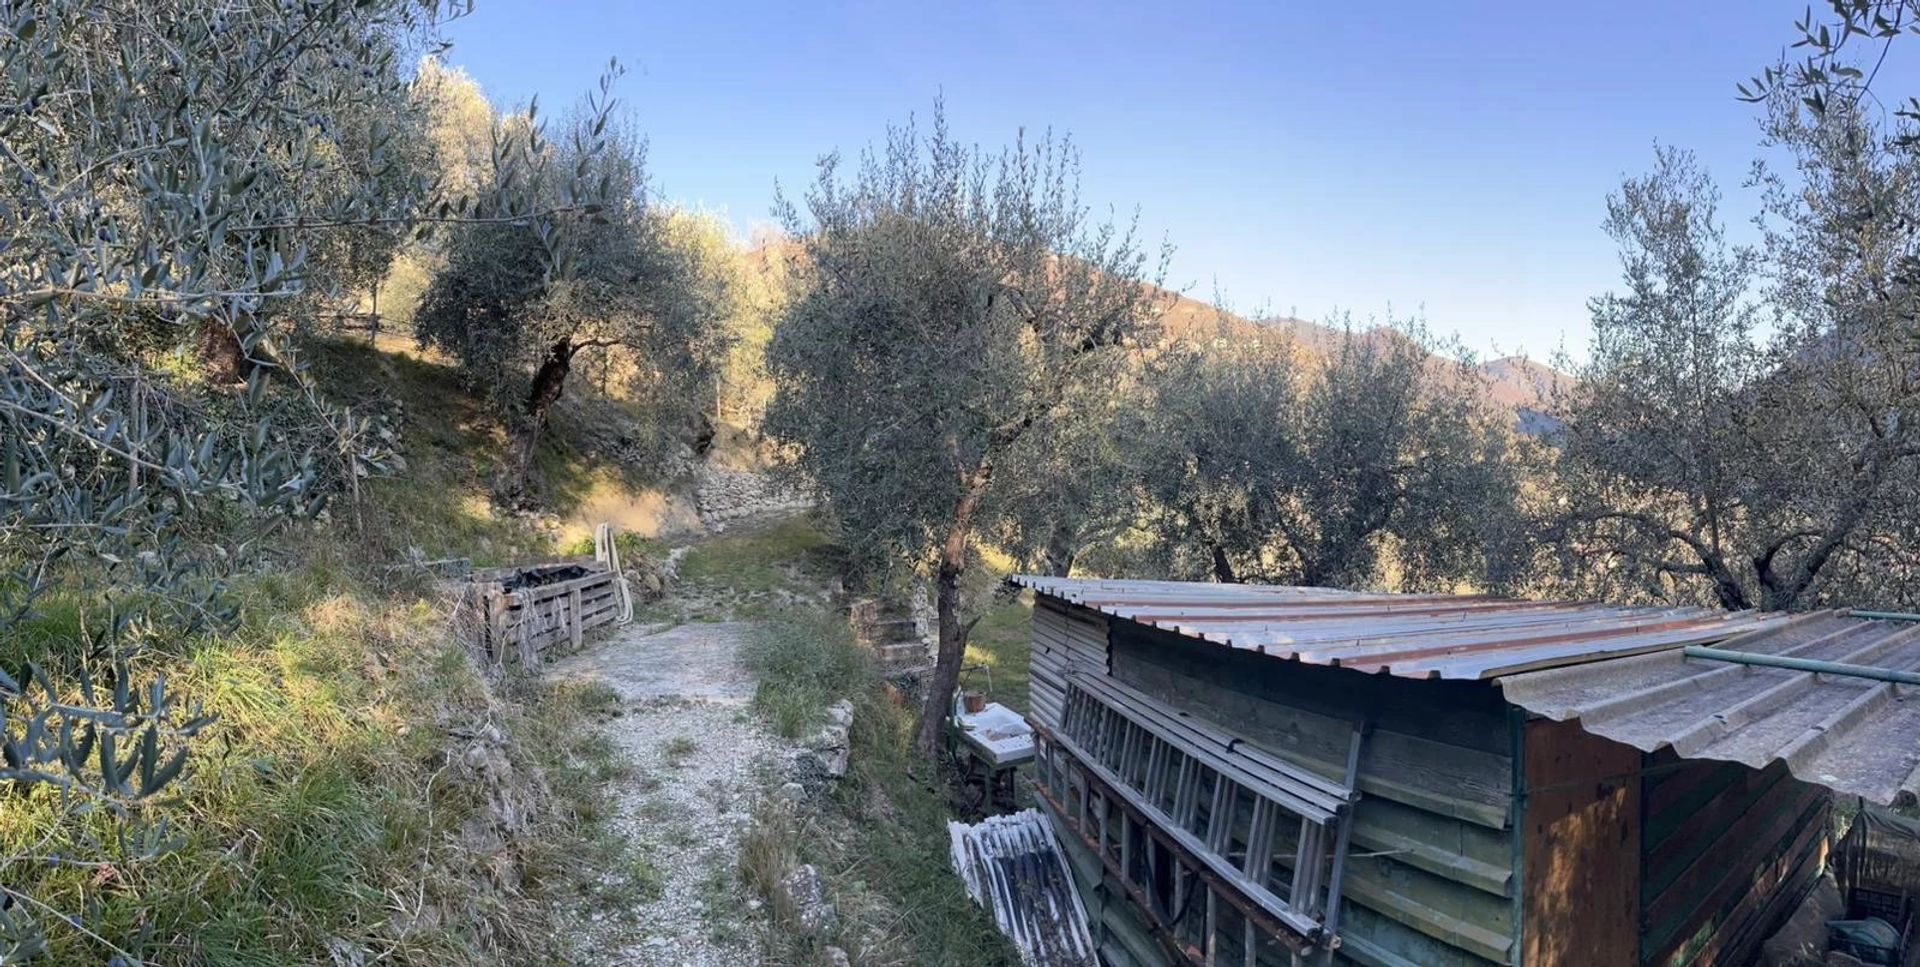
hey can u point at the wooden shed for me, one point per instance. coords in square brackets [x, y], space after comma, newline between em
[1258, 775]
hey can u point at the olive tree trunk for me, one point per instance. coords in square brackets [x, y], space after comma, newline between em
[1057, 559]
[548, 382]
[952, 650]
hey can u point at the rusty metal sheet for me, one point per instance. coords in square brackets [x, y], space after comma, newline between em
[1409, 635]
[1853, 735]
[1013, 866]
[1619, 670]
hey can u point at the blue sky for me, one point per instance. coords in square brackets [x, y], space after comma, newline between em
[1445, 158]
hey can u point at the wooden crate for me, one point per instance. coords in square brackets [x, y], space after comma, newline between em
[518, 613]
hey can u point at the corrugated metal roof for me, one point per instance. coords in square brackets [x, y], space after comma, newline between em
[1853, 735]
[1012, 865]
[1409, 635]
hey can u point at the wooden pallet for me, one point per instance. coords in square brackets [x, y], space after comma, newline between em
[521, 623]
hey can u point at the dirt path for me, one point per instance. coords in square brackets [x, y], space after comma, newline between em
[698, 759]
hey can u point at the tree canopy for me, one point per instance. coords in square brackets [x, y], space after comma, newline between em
[1745, 428]
[518, 301]
[1272, 465]
[949, 303]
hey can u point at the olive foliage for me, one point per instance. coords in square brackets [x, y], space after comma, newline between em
[949, 305]
[1379, 464]
[186, 189]
[1747, 429]
[519, 301]
[1744, 432]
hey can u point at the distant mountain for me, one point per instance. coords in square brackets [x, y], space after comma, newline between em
[1526, 388]
[1519, 382]
[1514, 383]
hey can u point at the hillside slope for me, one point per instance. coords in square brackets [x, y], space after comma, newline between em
[1512, 383]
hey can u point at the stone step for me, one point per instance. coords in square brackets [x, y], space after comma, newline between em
[905, 669]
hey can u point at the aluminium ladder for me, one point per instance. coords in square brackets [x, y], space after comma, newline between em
[1224, 802]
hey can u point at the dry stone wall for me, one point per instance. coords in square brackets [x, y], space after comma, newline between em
[727, 497]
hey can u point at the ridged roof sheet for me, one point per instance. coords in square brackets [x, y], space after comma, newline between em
[1622, 672]
[1408, 635]
[1013, 866]
[1850, 734]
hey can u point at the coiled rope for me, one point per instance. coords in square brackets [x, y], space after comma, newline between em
[607, 552]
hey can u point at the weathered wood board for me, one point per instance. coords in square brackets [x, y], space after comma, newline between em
[1581, 835]
[1431, 880]
[506, 622]
[1722, 843]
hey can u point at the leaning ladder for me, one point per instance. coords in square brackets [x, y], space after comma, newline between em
[1222, 800]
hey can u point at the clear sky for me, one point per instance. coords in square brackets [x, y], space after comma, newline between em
[1448, 158]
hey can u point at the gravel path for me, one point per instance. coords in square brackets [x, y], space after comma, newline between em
[699, 757]
[698, 660]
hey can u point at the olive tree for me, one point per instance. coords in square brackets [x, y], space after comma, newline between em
[1224, 446]
[519, 300]
[1380, 463]
[1657, 429]
[1074, 485]
[182, 187]
[1770, 468]
[949, 305]
[1838, 56]
[175, 170]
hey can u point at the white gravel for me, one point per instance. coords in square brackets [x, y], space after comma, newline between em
[697, 765]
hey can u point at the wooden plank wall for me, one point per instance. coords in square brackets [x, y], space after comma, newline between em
[1062, 636]
[1580, 823]
[1727, 851]
[523, 624]
[1431, 881]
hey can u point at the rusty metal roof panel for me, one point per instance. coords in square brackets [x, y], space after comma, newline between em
[1621, 671]
[1409, 635]
[1013, 866]
[1855, 735]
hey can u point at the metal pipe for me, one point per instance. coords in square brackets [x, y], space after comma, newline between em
[1886, 615]
[1803, 664]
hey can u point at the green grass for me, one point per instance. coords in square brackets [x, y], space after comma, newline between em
[647, 880]
[332, 803]
[753, 572]
[634, 878]
[882, 843]
[805, 663]
[328, 786]
[439, 504]
[678, 750]
[748, 557]
[724, 905]
[631, 546]
[1003, 643]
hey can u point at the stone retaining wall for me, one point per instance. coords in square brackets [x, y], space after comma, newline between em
[726, 497]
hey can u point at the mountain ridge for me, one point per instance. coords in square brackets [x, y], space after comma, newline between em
[1517, 383]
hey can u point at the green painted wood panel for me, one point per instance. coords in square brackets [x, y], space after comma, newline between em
[1720, 842]
[1306, 714]
[1432, 877]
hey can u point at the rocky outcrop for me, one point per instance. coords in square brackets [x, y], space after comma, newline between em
[509, 802]
[821, 759]
[803, 898]
[830, 748]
